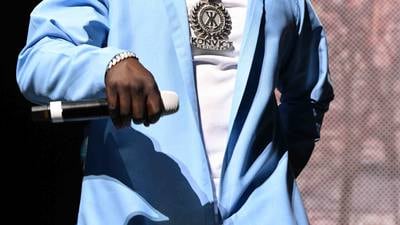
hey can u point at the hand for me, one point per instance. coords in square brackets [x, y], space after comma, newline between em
[132, 93]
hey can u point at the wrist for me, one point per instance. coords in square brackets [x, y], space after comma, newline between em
[120, 57]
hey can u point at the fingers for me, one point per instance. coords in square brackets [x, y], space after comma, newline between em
[124, 109]
[111, 97]
[154, 107]
[113, 105]
[138, 107]
[132, 94]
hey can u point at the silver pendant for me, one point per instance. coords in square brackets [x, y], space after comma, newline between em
[212, 25]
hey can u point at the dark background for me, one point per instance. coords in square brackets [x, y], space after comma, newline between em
[41, 162]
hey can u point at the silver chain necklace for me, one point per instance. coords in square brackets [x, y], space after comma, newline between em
[212, 24]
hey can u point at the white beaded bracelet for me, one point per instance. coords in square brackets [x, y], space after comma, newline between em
[119, 57]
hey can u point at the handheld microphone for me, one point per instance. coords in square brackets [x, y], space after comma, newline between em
[66, 111]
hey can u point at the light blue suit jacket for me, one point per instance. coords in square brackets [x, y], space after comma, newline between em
[160, 174]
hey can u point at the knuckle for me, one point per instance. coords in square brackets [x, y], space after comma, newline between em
[135, 87]
[127, 85]
[112, 84]
[151, 86]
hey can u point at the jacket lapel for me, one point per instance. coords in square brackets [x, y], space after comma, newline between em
[247, 51]
[246, 62]
[179, 27]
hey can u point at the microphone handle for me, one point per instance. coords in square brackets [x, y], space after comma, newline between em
[71, 111]
[64, 111]
[77, 111]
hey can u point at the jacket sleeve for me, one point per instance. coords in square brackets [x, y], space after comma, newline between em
[65, 56]
[305, 87]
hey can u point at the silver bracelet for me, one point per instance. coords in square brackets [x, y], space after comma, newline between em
[119, 57]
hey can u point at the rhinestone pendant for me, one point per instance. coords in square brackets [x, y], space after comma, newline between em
[212, 24]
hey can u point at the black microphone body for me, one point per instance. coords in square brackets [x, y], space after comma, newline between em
[68, 111]
[73, 111]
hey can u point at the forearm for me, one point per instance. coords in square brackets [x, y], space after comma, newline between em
[56, 69]
[65, 57]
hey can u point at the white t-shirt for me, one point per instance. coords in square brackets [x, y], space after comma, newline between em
[215, 79]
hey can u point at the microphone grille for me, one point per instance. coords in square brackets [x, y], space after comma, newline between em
[171, 101]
